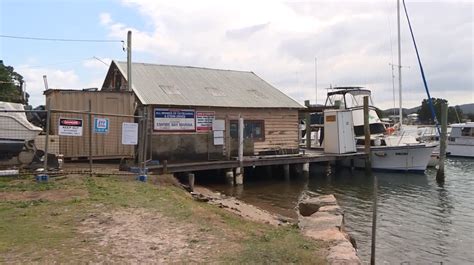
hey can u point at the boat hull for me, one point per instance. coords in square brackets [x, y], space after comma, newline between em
[409, 158]
[460, 150]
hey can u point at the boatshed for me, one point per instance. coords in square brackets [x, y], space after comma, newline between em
[110, 107]
[194, 111]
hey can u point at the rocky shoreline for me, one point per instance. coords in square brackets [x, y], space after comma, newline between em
[319, 217]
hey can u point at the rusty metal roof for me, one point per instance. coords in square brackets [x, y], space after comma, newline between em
[156, 84]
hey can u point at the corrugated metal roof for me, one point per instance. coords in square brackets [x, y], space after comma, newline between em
[193, 86]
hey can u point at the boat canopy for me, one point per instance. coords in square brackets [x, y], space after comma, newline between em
[349, 96]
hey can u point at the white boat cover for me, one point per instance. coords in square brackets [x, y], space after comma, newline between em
[15, 125]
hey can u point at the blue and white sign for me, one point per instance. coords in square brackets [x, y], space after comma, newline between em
[175, 120]
[101, 125]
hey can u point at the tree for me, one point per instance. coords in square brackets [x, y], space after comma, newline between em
[424, 113]
[11, 84]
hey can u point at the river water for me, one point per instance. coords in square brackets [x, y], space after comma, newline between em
[418, 220]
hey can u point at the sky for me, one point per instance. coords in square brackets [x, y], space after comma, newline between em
[300, 47]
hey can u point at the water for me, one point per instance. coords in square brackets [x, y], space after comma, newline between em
[418, 221]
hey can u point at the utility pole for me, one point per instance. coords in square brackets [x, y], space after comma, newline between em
[129, 60]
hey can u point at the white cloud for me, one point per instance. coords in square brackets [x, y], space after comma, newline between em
[279, 40]
[105, 18]
[57, 79]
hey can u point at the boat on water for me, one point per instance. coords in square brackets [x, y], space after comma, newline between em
[461, 140]
[389, 152]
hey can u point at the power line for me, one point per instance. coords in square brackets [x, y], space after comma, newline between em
[54, 39]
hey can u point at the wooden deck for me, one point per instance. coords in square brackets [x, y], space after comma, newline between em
[309, 156]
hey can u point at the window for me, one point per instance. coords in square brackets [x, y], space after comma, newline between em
[466, 131]
[253, 129]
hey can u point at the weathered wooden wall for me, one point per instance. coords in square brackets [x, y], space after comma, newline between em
[104, 146]
[281, 135]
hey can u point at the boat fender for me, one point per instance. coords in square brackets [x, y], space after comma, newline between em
[390, 130]
[380, 154]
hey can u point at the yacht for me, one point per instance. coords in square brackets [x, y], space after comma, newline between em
[461, 140]
[389, 151]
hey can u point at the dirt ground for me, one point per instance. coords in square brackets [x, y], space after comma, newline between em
[115, 220]
[144, 236]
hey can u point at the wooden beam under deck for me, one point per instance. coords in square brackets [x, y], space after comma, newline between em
[311, 156]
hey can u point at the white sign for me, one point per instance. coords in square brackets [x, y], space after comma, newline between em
[175, 120]
[129, 133]
[70, 127]
[204, 120]
[218, 141]
[218, 125]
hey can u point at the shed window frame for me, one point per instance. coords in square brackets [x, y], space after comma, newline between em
[248, 131]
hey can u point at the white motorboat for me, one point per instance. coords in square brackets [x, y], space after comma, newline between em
[461, 140]
[17, 135]
[389, 152]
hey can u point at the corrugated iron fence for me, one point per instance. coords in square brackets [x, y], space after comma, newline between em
[52, 141]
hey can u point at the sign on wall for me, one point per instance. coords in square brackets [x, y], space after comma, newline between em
[129, 133]
[175, 120]
[204, 120]
[70, 127]
[101, 125]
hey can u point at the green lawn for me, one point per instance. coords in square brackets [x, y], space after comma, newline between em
[52, 228]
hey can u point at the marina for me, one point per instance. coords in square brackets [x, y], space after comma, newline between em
[199, 138]
[419, 220]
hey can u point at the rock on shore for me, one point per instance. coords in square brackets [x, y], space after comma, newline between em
[321, 218]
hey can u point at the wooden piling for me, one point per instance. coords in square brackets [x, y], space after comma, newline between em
[308, 126]
[286, 171]
[374, 222]
[191, 178]
[442, 142]
[239, 172]
[229, 176]
[368, 162]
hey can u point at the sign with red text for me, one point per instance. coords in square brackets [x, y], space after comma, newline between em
[70, 127]
[204, 120]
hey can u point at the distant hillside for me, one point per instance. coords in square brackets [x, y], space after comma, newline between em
[466, 109]
[404, 111]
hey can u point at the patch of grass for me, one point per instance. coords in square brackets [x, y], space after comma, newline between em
[47, 231]
[284, 245]
[24, 184]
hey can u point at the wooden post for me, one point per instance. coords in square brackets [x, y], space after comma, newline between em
[374, 222]
[144, 138]
[442, 141]
[240, 170]
[229, 176]
[286, 171]
[90, 137]
[48, 125]
[308, 126]
[191, 178]
[165, 166]
[368, 162]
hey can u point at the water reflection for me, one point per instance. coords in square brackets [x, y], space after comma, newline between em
[419, 220]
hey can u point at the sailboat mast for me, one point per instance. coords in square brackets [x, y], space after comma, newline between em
[316, 80]
[400, 113]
